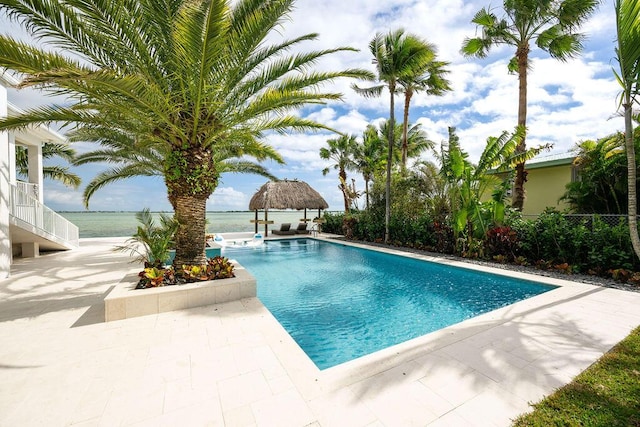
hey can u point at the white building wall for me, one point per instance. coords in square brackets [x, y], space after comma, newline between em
[5, 176]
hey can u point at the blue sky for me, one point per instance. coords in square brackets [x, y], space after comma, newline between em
[568, 101]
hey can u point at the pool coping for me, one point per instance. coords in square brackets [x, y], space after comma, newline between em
[314, 382]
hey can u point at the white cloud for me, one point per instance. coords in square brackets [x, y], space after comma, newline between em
[227, 198]
[568, 101]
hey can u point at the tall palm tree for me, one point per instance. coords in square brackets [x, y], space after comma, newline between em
[369, 157]
[552, 24]
[431, 79]
[184, 79]
[53, 172]
[396, 56]
[341, 150]
[628, 75]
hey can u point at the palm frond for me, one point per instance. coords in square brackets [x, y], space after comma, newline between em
[110, 176]
[62, 174]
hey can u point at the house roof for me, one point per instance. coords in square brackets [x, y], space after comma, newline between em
[35, 134]
[559, 159]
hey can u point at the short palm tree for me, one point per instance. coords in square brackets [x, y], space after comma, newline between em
[414, 143]
[341, 150]
[185, 80]
[628, 75]
[552, 24]
[417, 141]
[369, 157]
[430, 79]
[396, 55]
[54, 172]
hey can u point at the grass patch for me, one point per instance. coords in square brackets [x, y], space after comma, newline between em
[606, 394]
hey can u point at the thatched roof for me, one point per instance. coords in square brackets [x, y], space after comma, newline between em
[287, 195]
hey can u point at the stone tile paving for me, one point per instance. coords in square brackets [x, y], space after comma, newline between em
[233, 365]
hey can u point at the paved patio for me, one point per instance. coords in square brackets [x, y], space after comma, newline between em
[233, 364]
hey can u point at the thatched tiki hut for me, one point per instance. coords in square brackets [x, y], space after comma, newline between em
[285, 195]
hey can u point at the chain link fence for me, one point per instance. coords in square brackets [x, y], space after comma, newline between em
[611, 220]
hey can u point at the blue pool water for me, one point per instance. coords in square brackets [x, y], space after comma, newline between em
[339, 302]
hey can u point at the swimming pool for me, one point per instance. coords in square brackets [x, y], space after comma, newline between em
[340, 303]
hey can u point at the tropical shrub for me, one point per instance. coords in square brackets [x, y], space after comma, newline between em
[151, 243]
[501, 242]
[152, 277]
[589, 246]
[216, 268]
[553, 241]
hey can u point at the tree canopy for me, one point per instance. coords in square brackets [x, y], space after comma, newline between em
[178, 86]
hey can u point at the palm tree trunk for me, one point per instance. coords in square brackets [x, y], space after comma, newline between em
[405, 127]
[190, 242]
[631, 177]
[387, 190]
[190, 177]
[366, 191]
[343, 187]
[521, 175]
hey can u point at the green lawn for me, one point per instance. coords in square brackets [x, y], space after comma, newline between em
[606, 394]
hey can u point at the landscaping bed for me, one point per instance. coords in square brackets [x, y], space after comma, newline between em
[125, 301]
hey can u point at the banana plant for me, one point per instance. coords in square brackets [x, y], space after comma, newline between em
[468, 182]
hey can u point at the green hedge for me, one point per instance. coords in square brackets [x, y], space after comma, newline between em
[550, 241]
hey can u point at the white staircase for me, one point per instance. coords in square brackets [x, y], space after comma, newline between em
[31, 221]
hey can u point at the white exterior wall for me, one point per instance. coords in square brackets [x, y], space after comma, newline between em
[5, 176]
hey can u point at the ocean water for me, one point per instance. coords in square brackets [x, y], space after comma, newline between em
[124, 224]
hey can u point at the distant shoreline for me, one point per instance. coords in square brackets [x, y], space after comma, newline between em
[237, 211]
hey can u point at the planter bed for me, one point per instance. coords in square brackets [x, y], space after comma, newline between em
[124, 301]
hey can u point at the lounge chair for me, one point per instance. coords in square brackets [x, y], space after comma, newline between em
[285, 230]
[302, 228]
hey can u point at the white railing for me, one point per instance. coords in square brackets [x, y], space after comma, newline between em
[28, 188]
[26, 208]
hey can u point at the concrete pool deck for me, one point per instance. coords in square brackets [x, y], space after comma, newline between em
[233, 364]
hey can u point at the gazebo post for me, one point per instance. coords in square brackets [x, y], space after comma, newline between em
[266, 220]
[305, 215]
[256, 222]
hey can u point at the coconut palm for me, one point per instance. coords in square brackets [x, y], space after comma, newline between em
[341, 150]
[429, 79]
[183, 79]
[552, 24]
[369, 157]
[628, 75]
[396, 55]
[54, 172]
